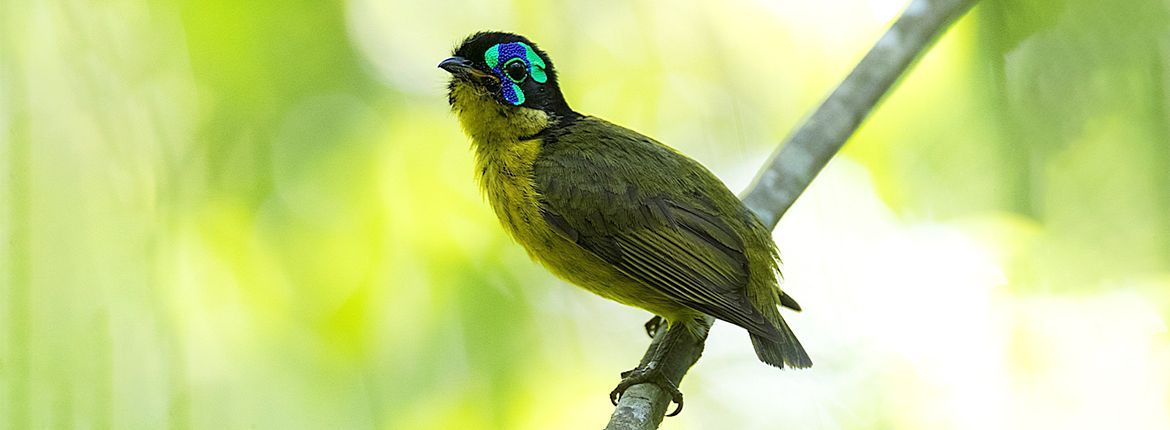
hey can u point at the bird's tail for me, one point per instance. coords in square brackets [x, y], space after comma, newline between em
[783, 351]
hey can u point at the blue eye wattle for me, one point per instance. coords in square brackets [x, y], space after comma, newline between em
[515, 61]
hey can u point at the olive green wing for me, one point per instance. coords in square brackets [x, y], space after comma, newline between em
[669, 241]
[689, 257]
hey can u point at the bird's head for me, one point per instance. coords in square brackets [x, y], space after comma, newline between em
[503, 87]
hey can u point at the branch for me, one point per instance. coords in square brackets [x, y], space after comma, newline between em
[790, 170]
[806, 151]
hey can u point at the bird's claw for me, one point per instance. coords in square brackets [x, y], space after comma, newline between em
[642, 375]
[653, 325]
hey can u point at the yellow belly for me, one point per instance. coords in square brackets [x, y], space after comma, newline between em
[506, 180]
[504, 165]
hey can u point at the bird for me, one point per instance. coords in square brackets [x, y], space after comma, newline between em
[614, 211]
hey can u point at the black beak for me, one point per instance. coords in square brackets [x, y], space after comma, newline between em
[463, 68]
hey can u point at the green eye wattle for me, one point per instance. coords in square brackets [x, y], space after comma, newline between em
[516, 70]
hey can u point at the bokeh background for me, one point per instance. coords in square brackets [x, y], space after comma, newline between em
[261, 215]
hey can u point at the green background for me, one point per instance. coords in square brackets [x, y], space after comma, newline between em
[262, 215]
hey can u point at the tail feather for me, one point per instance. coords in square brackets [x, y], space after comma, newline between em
[784, 351]
[789, 302]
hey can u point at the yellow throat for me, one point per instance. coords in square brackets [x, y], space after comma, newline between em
[503, 157]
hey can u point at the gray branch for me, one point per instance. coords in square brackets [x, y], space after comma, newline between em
[806, 151]
[790, 170]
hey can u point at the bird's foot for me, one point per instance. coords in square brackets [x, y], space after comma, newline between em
[653, 325]
[652, 375]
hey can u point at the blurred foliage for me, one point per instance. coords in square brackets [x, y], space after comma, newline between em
[262, 215]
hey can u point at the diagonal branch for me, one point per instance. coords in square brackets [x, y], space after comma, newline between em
[802, 155]
[808, 149]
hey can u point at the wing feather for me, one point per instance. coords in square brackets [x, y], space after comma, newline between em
[664, 231]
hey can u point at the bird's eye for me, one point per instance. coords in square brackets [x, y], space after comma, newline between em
[516, 70]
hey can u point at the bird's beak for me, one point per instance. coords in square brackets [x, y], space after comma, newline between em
[460, 67]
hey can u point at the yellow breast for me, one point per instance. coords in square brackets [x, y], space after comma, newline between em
[504, 158]
[505, 176]
[503, 161]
